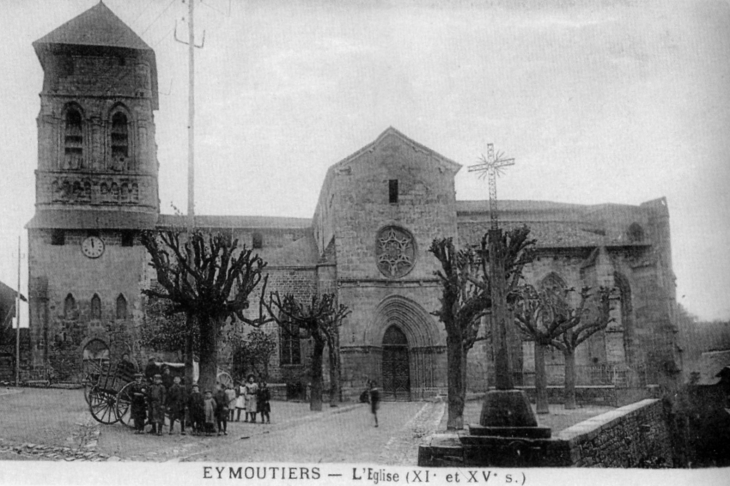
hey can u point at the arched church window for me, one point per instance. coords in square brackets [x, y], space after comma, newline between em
[121, 307]
[73, 141]
[554, 282]
[289, 345]
[69, 307]
[119, 141]
[621, 307]
[257, 241]
[635, 233]
[96, 307]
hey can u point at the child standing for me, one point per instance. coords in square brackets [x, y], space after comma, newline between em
[138, 392]
[264, 406]
[209, 406]
[221, 410]
[240, 401]
[156, 395]
[231, 396]
[196, 408]
[251, 401]
[176, 404]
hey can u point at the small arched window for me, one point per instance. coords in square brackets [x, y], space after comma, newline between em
[96, 307]
[258, 241]
[621, 308]
[121, 307]
[119, 141]
[635, 233]
[69, 307]
[73, 141]
[120, 135]
[553, 281]
[289, 345]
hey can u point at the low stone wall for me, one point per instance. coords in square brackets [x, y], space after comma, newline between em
[635, 435]
[603, 395]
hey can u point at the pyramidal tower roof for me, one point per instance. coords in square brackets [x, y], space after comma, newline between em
[98, 26]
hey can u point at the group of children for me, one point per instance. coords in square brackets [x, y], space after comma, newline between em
[207, 413]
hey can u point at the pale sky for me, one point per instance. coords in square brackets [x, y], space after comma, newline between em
[598, 102]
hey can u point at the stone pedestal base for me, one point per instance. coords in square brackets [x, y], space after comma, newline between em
[507, 408]
[507, 436]
[536, 432]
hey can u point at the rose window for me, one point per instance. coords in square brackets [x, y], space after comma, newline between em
[395, 252]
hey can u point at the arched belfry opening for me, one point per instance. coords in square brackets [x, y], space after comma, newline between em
[395, 365]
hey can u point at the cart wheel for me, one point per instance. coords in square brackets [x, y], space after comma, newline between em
[224, 378]
[102, 405]
[124, 405]
[89, 381]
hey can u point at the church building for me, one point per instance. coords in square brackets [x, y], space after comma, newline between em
[379, 210]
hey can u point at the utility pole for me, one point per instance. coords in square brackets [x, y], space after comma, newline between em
[191, 162]
[191, 109]
[17, 324]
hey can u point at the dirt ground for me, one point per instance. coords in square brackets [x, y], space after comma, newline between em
[55, 424]
[41, 415]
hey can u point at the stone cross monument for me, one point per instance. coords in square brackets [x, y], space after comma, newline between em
[506, 412]
[491, 166]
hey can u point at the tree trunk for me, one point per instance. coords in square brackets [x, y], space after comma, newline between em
[208, 352]
[454, 351]
[569, 355]
[189, 355]
[464, 381]
[541, 378]
[315, 400]
[335, 366]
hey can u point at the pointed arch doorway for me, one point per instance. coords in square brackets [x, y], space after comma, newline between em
[396, 365]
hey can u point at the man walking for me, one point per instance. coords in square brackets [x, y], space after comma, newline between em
[374, 400]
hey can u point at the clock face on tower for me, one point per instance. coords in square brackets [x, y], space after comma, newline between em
[92, 247]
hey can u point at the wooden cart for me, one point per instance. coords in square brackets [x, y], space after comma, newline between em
[109, 395]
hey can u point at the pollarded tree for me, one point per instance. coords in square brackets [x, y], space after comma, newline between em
[466, 299]
[207, 277]
[164, 330]
[547, 318]
[590, 317]
[540, 316]
[252, 353]
[319, 320]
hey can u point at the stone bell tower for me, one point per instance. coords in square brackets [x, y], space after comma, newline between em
[96, 189]
[96, 131]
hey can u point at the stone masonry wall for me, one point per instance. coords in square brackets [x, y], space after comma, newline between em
[631, 436]
[57, 271]
[425, 206]
[97, 87]
[636, 435]
[302, 283]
